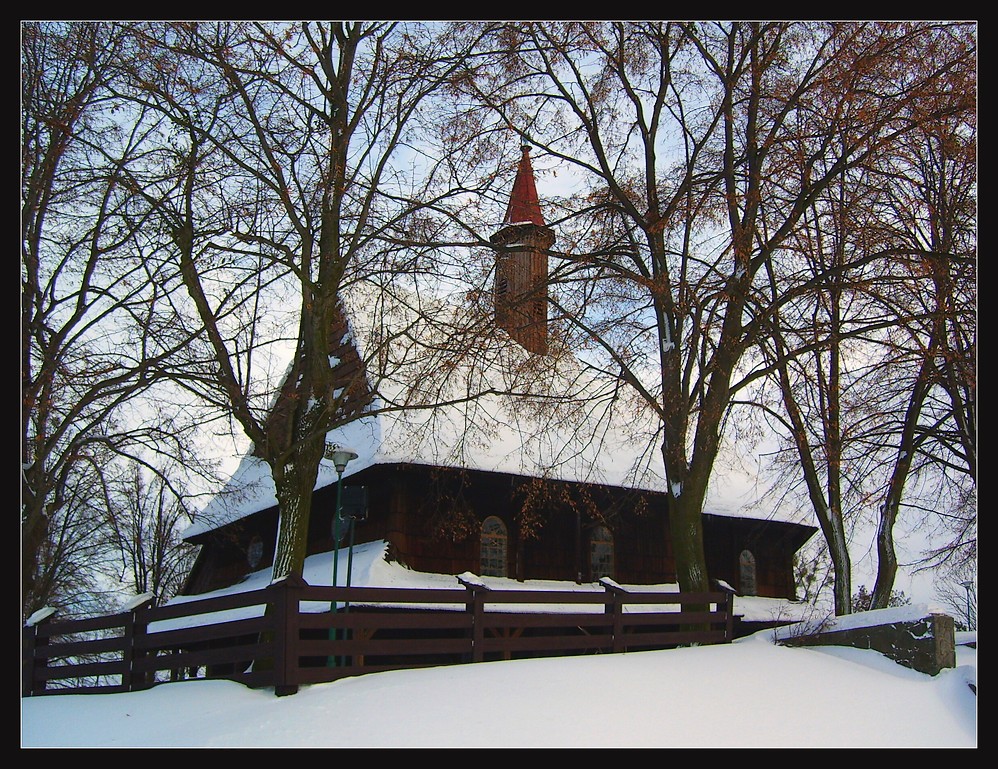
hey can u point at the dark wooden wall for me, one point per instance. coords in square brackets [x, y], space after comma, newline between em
[432, 516]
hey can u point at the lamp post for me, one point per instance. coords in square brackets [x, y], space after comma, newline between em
[353, 521]
[967, 584]
[340, 456]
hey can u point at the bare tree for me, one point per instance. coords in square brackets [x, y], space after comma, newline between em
[860, 354]
[298, 176]
[257, 174]
[933, 205]
[699, 148]
[90, 302]
[144, 519]
[957, 590]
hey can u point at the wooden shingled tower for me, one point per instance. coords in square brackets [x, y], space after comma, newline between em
[522, 242]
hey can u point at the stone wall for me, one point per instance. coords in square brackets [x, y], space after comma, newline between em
[927, 644]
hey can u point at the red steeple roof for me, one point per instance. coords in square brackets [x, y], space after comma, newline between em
[523, 203]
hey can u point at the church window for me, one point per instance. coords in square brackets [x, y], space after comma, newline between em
[254, 553]
[493, 554]
[601, 553]
[746, 572]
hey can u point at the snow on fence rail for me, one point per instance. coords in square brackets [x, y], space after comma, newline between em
[278, 637]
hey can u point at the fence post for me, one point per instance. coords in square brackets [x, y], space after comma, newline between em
[29, 642]
[475, 605]
[615, 606]
[285, 631]
[28, 633]
[729, 623]
[132, 679]
[729, 609]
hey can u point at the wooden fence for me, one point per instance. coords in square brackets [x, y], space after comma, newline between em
[285, 635]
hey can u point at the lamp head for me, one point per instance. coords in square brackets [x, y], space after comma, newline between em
[340, 456]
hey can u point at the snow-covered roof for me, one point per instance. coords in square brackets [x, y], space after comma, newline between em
[598, 435]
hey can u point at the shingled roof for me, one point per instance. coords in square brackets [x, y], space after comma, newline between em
[524, 205]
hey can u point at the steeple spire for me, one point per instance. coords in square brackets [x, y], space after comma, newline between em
[523, 203]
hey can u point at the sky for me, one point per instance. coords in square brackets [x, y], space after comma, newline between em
[751, 693]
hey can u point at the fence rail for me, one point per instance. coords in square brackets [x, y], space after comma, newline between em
[285, 635]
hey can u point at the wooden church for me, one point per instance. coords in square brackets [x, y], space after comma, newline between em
[549, 503]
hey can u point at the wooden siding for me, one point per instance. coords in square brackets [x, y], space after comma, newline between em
[408, 505]
[521, 293]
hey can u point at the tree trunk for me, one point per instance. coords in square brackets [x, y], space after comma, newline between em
[294, 483]
[686, 530]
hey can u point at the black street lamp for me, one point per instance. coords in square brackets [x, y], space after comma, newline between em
[967, 584]
[340, 456]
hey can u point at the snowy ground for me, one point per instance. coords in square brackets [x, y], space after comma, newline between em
[752, 693]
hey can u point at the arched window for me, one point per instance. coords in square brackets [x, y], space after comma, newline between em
[254, 553]
[493, 562]
[746, 572]
[601, 553]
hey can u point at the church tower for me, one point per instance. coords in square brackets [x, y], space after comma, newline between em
[522, 242]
